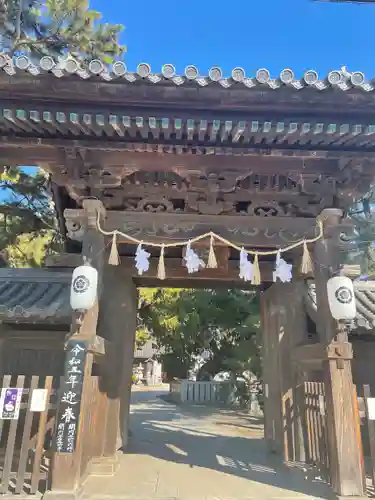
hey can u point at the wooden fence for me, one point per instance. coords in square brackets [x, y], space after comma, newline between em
[316, 439]
[189, 391]
[367, 416]
[26, 442]
[316, 431]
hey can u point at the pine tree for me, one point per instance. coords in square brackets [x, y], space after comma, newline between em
[58, 28]
[27, 219]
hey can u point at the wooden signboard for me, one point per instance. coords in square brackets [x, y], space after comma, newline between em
[70, 402]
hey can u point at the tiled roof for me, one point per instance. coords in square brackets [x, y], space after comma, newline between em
[35, 296]
[340, 78]
[365, 303]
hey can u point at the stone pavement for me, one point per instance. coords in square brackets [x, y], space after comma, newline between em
[198, 453]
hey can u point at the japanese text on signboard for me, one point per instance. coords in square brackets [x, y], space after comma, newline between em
[70, 402]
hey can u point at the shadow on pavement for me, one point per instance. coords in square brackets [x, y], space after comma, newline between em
[209, 438]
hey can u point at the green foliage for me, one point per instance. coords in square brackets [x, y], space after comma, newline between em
[360, 249]
[29, 250]
[142, 336]
[58, 28]
[27, 220]
[185, 323]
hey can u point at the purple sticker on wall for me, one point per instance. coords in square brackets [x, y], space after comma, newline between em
[10, 402]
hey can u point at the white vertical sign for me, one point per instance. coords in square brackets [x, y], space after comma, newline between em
[39, 400]
[321, 405]
[371, 408]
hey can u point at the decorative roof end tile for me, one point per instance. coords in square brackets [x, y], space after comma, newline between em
[341, 79]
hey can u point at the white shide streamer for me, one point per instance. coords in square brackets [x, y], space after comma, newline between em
[246, 267]
[192, 259]
[142, 262]
[283, 270]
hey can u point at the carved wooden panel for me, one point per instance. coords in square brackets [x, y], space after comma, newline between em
[212, 184]
[248, 230]
[227, 192]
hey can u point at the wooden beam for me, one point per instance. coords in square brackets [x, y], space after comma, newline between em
[50, 153]
[320, 351]
[249, 231]
[309, 353]
[192, 282]
[175, 269]
[34, 339]
[63, 260]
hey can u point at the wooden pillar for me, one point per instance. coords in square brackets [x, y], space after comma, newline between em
[344, 450]
[67, 466]
[118, 321]
[283, 327]
[273, 432]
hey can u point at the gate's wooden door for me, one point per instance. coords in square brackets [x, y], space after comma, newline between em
[26, 443]
[316, 426]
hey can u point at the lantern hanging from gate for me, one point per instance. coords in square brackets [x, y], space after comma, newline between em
[341, 298]
[84, 287]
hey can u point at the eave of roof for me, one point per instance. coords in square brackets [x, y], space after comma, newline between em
[176, 135]
[165, 112]
[30, 296]
[365, 303]
[336, 79]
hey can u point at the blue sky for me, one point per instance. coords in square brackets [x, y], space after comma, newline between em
[276, 34]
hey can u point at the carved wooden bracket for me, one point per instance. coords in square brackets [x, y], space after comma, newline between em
[75, 226]
[98, 346]
[78, 220]
[92, 209]
[340, 351]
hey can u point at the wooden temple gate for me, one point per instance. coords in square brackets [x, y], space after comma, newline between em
[165, 157]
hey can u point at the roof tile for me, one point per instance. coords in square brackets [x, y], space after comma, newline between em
[35, 296]
[341, 78]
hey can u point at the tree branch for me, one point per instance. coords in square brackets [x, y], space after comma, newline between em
[18, 19]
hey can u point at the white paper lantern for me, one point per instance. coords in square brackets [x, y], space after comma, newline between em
[84, 288]
[341, 298]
